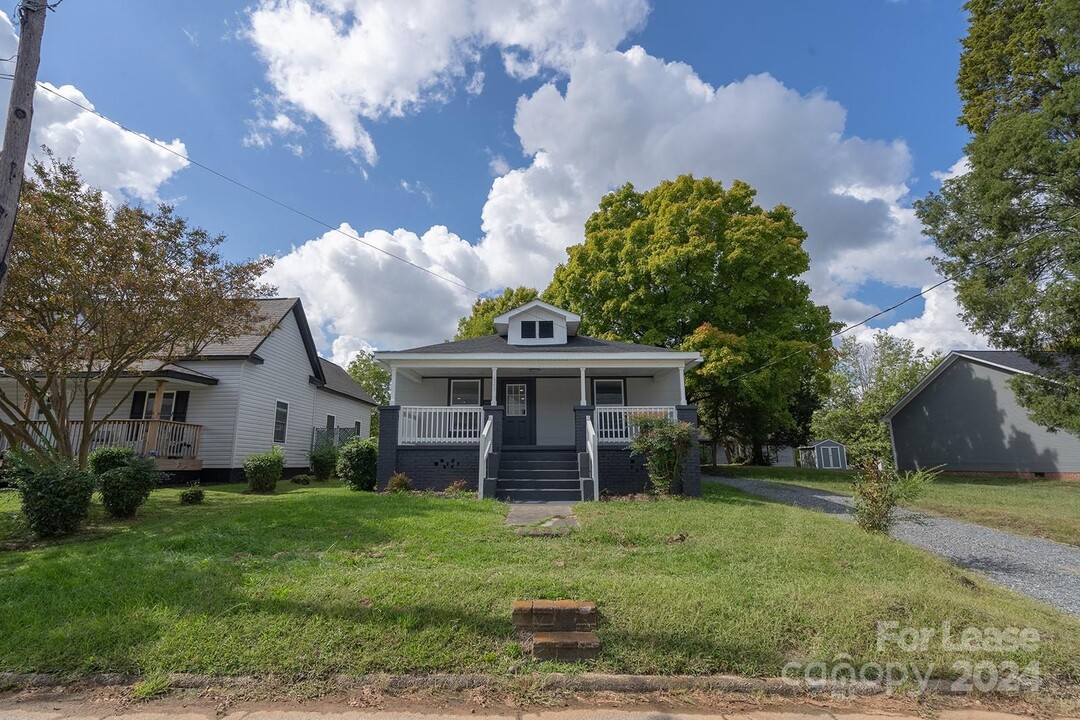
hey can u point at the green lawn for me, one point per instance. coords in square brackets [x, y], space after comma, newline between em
[1043, 508]
[320, 580]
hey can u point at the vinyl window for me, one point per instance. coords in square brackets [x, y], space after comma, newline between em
[281, 421]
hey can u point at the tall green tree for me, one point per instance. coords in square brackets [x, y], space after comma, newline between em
[690, 264]
[374, 377]
[1010, 228]
[481, 321]
[867, 380]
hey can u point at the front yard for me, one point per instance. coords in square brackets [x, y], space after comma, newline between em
[1043, 508]
[321, 580]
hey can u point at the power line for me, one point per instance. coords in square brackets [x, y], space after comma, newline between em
[906, 300]
[254, 191]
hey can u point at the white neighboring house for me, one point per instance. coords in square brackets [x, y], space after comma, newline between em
[536, 411]
[201, 417]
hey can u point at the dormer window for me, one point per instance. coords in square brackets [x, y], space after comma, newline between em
[532, 329]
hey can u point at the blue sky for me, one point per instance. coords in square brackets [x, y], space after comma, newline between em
[197, 72]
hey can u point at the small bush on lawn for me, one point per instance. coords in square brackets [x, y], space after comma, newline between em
[323, 461]
[125, 488]
[399, 482]
[107, 458]
[458, 488]
[263, 471]
[302, 479]
[192, 496]
[55, 497]
[356, 463]
[878, 490]
[664, 443]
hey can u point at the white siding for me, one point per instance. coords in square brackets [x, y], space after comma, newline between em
[513, 335]
[555, 401]
[427, 392]
[646, 391]
[284, 376]
[346, 412]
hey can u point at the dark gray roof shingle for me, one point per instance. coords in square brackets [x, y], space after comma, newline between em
[272, 311]
[338, 380]
[498, 344]
[1007, 358]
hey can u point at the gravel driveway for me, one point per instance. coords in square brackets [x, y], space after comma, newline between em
[1042, 569]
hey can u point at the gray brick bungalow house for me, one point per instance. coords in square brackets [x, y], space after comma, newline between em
[536, 411]
[964, 415]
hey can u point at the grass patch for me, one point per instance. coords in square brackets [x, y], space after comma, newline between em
[1041, 508]
[154, 685]
[314, 581]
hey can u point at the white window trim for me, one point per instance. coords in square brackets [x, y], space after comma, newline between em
[506, 399]
[543, 337]
[148, 406]
[331, 422]
[273, 433]
[622, 384]
[479, 391]
[535, 325]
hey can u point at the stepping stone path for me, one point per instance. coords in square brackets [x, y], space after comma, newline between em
[562, 630]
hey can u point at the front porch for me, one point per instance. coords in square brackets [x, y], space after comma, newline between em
[528, 433]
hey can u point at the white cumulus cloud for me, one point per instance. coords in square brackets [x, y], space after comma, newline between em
[347, 61]
[119, 163]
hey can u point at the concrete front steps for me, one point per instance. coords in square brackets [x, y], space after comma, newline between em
[535, 474]
[563, 630]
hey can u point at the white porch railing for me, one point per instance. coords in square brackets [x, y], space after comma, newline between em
[174, 440]
[594, 458]
[435, 425]
[613, 425]
[487, 440]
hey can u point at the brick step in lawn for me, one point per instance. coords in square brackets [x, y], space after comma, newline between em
[554, 615]
[566, 646]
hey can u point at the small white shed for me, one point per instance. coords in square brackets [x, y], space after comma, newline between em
[824, 455]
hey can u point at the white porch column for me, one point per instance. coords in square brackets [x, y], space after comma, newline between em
[682, 386]
[393, 385]
[494, 392]
[582, 386]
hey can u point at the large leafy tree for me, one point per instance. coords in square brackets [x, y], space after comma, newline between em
[98, 294]
[690, 264]
[1010, 228]
[374, 377]
[867, 380]
[481, 321]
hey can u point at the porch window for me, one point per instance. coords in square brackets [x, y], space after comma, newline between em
[608, 392]
[464, 392]
[167, 400]
[281, 422]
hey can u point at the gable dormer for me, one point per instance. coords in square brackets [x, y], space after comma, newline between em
[537, 323]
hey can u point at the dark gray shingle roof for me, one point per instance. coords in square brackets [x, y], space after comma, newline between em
[498, 344]
[339, 381]
[272, 311]
[1007, 358]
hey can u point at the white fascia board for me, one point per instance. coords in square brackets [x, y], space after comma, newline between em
[567, 315]
[551, 359]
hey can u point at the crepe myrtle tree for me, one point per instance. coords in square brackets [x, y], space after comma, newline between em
[98, 293]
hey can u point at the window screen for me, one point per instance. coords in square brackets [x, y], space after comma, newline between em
[547, 329]
[464, 392]
[281, 422]
[528, 328]
[608, 392]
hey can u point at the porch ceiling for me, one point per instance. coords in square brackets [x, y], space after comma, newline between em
[541, 372]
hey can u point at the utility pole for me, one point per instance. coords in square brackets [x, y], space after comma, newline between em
[31, 15]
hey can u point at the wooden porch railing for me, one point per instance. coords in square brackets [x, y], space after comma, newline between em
[164, 438]
[435, 425]
[613, 424]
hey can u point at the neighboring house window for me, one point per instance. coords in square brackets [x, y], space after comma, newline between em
[47, 406]
[281, 422]
[358, 427]
[464, 392]
[547, 328]
[608, 392]
[331, 422]
[168, 399]
[528, 329]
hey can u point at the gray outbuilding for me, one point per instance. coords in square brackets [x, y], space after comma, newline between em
[964, 416]
[824, 455]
